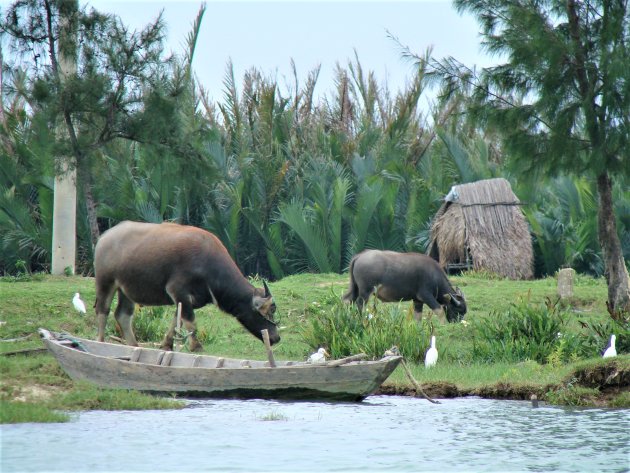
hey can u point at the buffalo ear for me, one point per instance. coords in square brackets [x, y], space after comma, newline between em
[447, 298]
[263, 305]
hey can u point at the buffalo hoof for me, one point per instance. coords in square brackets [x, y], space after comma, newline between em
[166, 347]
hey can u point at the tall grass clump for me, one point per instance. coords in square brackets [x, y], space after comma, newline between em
[527, 331]
[344, 331]
[151, 323]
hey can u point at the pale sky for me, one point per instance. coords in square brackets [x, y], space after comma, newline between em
[268, 34]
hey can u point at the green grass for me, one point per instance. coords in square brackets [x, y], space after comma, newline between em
[46, 301]
[87, 397]
[19, 412]
[273, 416]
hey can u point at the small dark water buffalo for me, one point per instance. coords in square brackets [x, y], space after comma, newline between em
[164, 264]
[398, 277]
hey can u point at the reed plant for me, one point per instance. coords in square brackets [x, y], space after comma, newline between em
[527, 331]
[151, 323]
[344, 330]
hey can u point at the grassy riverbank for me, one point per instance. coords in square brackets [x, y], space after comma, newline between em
[34, 388]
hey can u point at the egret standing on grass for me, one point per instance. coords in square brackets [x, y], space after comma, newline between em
[430, 359]
[611, 351]
[78, 304]
[319, 356]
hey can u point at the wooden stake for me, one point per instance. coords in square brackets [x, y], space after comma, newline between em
[178, 326]
[265, 335]
[415, 383]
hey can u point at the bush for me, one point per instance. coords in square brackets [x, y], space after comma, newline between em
[527, 332]
[344, 331]
[150, 324]
[600, 333]
[572, 395]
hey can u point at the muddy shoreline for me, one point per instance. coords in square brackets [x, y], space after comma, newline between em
[606, 382]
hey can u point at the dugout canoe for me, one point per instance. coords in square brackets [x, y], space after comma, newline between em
[187, 374]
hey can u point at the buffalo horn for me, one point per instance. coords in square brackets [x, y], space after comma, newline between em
[214, 299]
[267, 292]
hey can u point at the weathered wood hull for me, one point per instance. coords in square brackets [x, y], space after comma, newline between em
[152, 370]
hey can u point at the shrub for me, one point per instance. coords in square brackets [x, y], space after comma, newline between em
[572, 395]
[527, 332]
[344, 331]
[600, 332]
[151, 323]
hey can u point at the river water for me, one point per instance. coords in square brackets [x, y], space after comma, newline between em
[382, 433]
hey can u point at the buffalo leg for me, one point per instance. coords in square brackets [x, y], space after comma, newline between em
[190, 326]
[417, 310]
[362, 298]
[124, 316]
[104, 295]
[188, 320]
[435, 306]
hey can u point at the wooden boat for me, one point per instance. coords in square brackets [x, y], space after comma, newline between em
[158, 371]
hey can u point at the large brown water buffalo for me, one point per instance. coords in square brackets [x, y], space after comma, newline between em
[163, 264]
[395, 277]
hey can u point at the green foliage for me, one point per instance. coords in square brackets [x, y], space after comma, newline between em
[273, 416]
[288, 184]
[87, 396]
[572, 395]
[302, 300]
[151, 323]
[600, 332]
[526, 331]
[13, 412]
[622, 401]
[344, 331]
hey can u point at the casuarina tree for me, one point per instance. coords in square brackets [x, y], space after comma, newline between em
[95, 81]
[560, 96]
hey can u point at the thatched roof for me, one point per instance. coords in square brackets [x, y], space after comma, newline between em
[481, 223]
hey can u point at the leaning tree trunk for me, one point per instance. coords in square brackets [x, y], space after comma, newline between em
[615, 266]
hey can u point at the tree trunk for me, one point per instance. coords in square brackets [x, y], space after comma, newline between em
[615, 266]
[65, 193]
[90, 204]
[64, 222]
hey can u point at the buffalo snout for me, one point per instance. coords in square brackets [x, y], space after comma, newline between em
[274, 338]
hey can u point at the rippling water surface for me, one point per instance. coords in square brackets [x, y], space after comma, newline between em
[383, 433]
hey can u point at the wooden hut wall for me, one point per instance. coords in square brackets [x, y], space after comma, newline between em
[486, 217]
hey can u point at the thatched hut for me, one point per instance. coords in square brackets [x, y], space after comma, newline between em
[481, 226]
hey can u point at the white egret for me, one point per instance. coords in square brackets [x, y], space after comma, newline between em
[431, 357]
[611, 350]
[78, 304]
[319, 356]
[393, 351]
